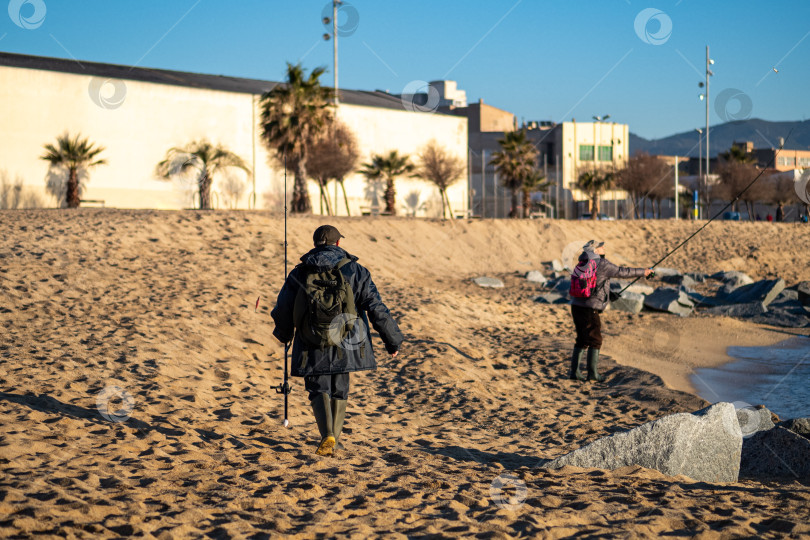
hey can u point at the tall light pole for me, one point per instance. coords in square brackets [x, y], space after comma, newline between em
[709, 73]
[334, 37]
[700, 169]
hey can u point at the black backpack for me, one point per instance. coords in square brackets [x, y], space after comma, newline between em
[324, 312]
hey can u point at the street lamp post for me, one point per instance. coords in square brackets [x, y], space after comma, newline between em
[705, 96]
[334, 37]
[700, 170]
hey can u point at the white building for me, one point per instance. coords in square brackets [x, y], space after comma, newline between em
[137, 114]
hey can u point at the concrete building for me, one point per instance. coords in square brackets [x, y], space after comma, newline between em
[571, 148]
[137, 114]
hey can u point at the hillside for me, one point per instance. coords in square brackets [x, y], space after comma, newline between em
[763, 133]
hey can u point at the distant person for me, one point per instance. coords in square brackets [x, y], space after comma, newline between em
[780, 214]
[586, 309]
[324, 307]
[769, 218]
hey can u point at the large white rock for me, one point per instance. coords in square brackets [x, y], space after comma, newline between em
[704, 445]
[485, 281]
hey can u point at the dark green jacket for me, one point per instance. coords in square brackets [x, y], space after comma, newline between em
[355, 352]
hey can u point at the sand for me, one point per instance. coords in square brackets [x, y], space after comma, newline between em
[443, 440]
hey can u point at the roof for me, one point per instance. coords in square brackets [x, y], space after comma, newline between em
[183, 78]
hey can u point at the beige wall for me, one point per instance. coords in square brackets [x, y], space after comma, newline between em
[36, 106]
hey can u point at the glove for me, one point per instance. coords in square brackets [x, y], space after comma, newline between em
[613, 296]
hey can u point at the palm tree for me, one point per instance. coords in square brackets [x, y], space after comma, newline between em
[594, 183]
[515, 163]
[291, 116]
[387, 168]
[531, 184]
[443, 169]
[76, 155]
[333, 156]
[206, 159]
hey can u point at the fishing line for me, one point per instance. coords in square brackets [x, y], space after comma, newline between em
[737, 198]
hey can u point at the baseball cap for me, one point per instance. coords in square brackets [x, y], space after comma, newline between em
[326, 234]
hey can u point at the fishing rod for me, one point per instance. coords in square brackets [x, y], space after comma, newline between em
[737, 198]
[284, 388]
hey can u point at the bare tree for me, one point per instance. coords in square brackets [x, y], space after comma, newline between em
[642, 177]
[736, 176]
[443, 169]
[333, 156]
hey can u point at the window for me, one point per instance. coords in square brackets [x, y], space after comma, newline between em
[786, 161]
[586, 152]
[804, 162]
[605, 153]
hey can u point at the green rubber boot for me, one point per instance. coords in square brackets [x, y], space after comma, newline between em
[593, 365]
[338, 415]
[576, 359]
[322, 408]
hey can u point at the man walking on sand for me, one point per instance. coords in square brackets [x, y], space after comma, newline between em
[324, 307]
[585, 311]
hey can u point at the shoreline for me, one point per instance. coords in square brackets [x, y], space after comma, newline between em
[673, 348]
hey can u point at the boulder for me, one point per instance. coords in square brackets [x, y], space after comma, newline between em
[638, 287]
[491, 282]
[775, 453]
[732, 280]
[739, 310]
[666, 272]
[681, 281]
[670, 300]
[536, 276]
[754, 419]
[803, 292]
[629, 301]
[551, 298]
[561, 285]
[800, 426]
[697, 277]
[557, 266]
[784, 317]
[704, 445]
[787, 295]
[762, 291]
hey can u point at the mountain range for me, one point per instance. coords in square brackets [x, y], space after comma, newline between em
[763, 133]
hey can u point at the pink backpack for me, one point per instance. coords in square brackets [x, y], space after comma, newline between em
[583, 279]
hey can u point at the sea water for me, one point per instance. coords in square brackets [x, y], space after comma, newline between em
[777, 376]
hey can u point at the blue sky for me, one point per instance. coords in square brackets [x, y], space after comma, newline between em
[542, 60]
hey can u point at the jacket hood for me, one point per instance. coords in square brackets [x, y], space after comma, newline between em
[325, 257]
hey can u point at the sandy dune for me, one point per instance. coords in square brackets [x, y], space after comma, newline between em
[443, 440]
